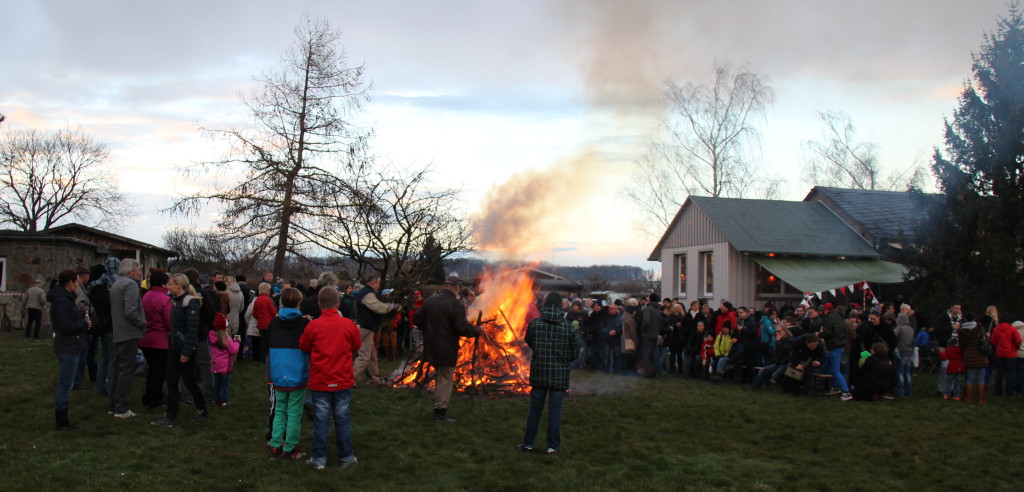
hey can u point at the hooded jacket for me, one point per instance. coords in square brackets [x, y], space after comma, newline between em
[236, 307]
[1006, 340]
[68, 324]
[289, 365]
[181, 339]
[970, 341]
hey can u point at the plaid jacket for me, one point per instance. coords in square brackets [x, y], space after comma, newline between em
[554, 348]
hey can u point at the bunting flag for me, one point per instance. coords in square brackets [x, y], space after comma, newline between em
[850, 287]
[832, 291]
[842, 290]
[865, 286]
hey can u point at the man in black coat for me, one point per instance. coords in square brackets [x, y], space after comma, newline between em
[443, 320]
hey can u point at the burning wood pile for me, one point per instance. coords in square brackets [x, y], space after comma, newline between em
[498, 361]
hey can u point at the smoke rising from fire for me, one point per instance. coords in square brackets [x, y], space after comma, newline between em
[620, 52]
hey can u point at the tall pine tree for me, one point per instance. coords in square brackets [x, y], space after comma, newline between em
[971, 249]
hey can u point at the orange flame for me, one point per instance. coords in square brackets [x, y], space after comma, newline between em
[498, 360]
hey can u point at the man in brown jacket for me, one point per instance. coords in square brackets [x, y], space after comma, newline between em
[443, 320]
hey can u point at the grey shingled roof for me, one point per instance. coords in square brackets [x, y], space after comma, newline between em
[883, 213]
[783, 227]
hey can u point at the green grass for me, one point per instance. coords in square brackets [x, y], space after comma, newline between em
[625, 434]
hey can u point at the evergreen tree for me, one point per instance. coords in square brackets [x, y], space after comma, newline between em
[971, 248]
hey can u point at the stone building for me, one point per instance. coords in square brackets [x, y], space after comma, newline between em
[29, 256]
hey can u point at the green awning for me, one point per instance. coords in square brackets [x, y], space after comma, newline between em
[819, 275]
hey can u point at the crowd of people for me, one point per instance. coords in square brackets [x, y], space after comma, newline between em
[187, 331]
[850, 351]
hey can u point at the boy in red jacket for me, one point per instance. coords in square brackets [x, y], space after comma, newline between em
[330, 341]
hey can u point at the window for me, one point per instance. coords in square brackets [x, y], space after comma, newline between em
[767, 282]
[3, 274]
[681, 270]
[771, 286]
[707, 261]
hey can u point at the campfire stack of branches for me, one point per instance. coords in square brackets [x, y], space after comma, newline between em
[496, 362]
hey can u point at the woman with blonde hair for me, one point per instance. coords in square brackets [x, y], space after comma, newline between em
[182, 342]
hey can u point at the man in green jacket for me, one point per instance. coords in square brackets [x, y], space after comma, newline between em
[554, 348]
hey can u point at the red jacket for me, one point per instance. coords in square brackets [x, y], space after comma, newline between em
[955, 356]
[264, 311]
[330, 341]
[1006, 340]
[722, 318]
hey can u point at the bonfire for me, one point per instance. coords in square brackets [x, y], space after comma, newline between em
[498, 361]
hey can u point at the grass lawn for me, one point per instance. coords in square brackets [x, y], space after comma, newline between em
[625, 433]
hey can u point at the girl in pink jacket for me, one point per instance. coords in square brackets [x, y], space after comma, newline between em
[222, 355]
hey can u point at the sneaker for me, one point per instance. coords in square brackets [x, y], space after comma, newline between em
[164, 422]
[946, 397]
[127, 414]
[346, 464]
[834, 391]
[887, 396]
[294, 454]
[276, 453]
[552, 451]
[221, 404]
[956, 398]
[316, 466]
[846, 397]
[524, 448]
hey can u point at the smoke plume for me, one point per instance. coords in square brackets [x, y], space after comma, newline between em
[618, 48]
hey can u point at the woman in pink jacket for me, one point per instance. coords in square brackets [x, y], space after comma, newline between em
[157, 306]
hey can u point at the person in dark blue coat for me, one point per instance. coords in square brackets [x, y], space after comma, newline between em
[69, 328]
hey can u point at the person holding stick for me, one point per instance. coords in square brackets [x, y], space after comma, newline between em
[443, 320]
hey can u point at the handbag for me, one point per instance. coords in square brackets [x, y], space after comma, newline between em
[628, 345]
[794, 373]
[985, 347]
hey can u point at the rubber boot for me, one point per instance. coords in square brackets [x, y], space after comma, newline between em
[981, 394]
[441, 416]
[62, 421]
[969, 394]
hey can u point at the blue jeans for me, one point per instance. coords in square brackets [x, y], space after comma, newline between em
[975, 375]
[221, 383]
[834, 361]
[611, 357]
[766, 372]
[537, 397]
[67, 369]
[954, 385]
[662, 352]
[904, 373]
[327, 404]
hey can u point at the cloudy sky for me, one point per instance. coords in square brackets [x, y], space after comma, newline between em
[500, 95]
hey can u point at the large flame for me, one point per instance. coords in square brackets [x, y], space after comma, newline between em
[498, 360]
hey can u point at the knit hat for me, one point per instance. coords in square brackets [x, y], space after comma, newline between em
[1018, 324]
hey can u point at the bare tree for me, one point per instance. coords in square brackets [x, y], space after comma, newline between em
[711, 136]
[840, 160]
[209, 250]
[303, 140]
[50, 177]
[394, 223]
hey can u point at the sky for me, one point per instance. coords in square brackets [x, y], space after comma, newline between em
[538, 104]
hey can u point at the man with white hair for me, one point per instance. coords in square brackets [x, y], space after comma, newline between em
[129, 323]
